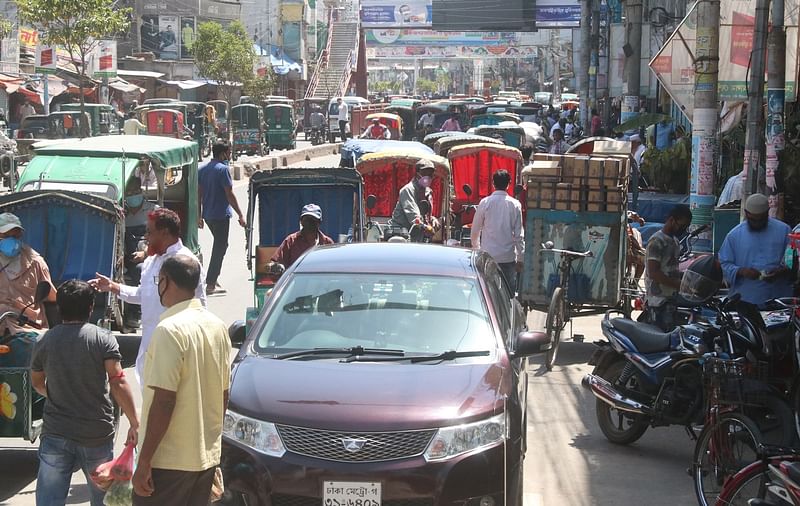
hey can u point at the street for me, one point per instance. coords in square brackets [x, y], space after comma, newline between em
[569, 462]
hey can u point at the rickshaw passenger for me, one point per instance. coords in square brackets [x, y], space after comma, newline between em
[306, 238]
[406, 211]
[376, 131]
[21, 269]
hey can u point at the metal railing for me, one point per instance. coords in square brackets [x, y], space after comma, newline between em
[322, 61]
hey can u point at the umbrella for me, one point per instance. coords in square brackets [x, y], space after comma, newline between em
[643, 121]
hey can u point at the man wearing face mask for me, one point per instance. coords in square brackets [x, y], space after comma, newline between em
[406, 211]
[21, 269]
[306, 238]
[752, 255]
[662, 275]
[137, 209]
[163, 234]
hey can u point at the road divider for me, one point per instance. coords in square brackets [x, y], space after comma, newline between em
[283, 159]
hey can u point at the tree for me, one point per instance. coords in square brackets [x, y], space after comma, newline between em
[77, 26]
[259, 87]
[225, 54]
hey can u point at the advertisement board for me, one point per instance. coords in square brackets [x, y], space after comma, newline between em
[397, 43]
[558, 14]
[385, 13]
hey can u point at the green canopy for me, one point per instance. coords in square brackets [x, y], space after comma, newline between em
[168, 151]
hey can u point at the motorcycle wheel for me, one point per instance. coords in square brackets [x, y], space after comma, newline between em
[555, 324]
[722, 450]
[774, 419]
[619, 427]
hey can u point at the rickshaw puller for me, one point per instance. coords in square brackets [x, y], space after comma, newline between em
[407, 211]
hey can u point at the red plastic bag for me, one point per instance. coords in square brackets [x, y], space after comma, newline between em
[119, 469]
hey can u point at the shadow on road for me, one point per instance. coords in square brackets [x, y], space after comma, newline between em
[18, 469]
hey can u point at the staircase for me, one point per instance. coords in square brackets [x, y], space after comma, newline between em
[336, 62]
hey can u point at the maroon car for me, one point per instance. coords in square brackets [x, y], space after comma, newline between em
[382, 375]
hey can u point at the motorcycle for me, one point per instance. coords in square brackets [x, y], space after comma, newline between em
[317, 135]
[645, 377]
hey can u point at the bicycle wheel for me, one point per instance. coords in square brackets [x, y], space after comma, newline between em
[749, 483]
[555, 324]
[721, 451]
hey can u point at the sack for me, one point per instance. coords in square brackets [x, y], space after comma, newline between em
[217, 487]
[120, 469]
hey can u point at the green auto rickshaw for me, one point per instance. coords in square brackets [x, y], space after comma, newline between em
[67, 124]
[247, 126]
[104, 120]
[280, 126]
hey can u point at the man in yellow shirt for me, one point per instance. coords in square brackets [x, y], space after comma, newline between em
[186, 381]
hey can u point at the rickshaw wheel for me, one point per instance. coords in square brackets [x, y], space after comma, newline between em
[555, 324]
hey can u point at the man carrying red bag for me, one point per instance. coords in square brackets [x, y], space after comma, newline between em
[74, 366]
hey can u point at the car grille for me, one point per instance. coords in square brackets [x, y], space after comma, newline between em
[364, 447]
[299, 500]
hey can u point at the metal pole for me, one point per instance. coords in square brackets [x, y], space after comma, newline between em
[752, 148]
[46, 89]
[776, 97]
[594, 56]
[583, 71]
[556, 68]
[633, 60]
[706, 117]
[607, 91]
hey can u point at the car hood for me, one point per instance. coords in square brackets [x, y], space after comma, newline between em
[367, 397]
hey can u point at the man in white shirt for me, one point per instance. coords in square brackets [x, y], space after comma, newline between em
[163, 241]
[344, 117]
[637, 149]
[132, 125]
[426, 122]
[497, 228]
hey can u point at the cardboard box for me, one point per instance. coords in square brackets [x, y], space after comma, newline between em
[542, 170]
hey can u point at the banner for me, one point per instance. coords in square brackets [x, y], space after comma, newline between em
[10, 55]
[188, 36]
[396, 37]
[385, 13]
[104, 59]
[46, 60]
[482, 52]
[168, 38]
[558, 14]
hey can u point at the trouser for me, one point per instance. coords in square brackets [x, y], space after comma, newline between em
[220, 230]
[509, 270]
[662, 316]
[178, 488]
[58, 459]
[343, 129]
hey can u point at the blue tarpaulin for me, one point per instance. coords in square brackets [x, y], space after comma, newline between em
[281, 63]
[356, 148]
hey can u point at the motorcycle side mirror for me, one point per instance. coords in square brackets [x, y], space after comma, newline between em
[372, 200]
[424, 207]
[467, 189]
[42, 292]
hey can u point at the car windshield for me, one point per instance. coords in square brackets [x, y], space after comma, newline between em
[415, 314]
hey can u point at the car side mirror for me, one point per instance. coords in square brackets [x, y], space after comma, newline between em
[42, 292]
[531, 343]
[237, 333]
[372, 200]
[467, 189]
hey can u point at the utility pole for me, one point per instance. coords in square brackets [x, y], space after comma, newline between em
[776, 97]
[607, 91]
[556, 66]
[583, 71]
[633, 60]
[594, 57]
[706, 117]
[754, 181]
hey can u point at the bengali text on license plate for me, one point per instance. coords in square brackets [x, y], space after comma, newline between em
[351, 493]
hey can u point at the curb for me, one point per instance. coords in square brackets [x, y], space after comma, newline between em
[284, 159]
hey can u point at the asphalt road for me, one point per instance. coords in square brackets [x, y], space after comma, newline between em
[569, 462]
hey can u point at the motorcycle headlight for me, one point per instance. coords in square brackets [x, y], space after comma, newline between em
[258, 435]
[452, 441]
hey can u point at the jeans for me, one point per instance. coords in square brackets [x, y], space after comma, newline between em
[219, 229]
[343, 129]
[58, 459]
[509, 270]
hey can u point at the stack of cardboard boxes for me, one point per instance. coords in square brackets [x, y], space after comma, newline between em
[576, 183]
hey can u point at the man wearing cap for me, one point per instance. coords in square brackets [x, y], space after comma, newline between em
[406, 211]
[304, 239]
[752, 255]
[21, 269]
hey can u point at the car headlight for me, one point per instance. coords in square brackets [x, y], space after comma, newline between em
[258, 435]
[452, 441]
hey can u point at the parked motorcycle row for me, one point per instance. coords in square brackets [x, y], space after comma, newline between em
[729, 374]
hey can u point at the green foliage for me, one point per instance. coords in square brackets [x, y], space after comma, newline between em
[259, 87]
[75, 25]
[6, 27]
[225, 54]
[668, 170]
[426, 85]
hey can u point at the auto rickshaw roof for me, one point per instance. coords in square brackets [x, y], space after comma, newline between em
[77, 107]
[457, 140]
[325, 176]
[499, 128]
[377, 161]
[497, 149]
[168, 151]
[245, 106]
[383, 115]
[278, 106]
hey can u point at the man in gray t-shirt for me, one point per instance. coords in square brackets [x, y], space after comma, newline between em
[74, 366]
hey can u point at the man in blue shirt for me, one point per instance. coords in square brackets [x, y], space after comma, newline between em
[217, 202]
[752, 255]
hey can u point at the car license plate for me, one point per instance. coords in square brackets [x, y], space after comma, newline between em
[351, 493]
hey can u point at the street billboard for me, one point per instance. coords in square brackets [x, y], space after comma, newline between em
[484, 15]
[385, 13]
[206, 9]
[558, 14]
[674, 65]
[395, 43]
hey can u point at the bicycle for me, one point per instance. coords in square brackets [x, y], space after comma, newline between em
[558, 313]
[755, 481]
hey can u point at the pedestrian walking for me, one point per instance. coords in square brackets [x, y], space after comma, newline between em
[217, 204]
[497, 228]
[186, 382]
[163, 234]
[344, 118]
[75, 365]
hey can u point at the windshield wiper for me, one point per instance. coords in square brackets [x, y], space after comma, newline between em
[354, 351]
[439, 357]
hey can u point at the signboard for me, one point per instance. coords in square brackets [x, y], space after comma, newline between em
[558, 13]
[211, 9]
[46, 60]
[385, 13]
[395, 37]
[471, 52]
[10, 55]
[484, 15]
[673, 65]
[104, 59]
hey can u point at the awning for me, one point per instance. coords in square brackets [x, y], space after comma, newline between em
[282, 64]
[124, 86]
[184, 85]
[139, 73]
[31, 95]
[10, 83]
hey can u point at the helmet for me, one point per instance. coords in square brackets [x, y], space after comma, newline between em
[702, 279]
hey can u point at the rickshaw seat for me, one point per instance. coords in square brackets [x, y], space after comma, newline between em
[263, 256]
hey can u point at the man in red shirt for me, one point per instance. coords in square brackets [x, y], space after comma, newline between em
[306, 238]
[376, 131]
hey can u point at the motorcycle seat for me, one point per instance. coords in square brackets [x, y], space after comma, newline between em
[647, 338]
[792, 469]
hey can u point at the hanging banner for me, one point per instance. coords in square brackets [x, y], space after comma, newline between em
[188, 36]
[46, 60]
[168, 38]
[104, 59]
[385, 13]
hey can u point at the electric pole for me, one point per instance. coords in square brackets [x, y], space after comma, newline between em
[594, 58]
[776, 97]
[556, 66]
[583, 71]
[753, 174]
[633, 60]
[706, 116]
